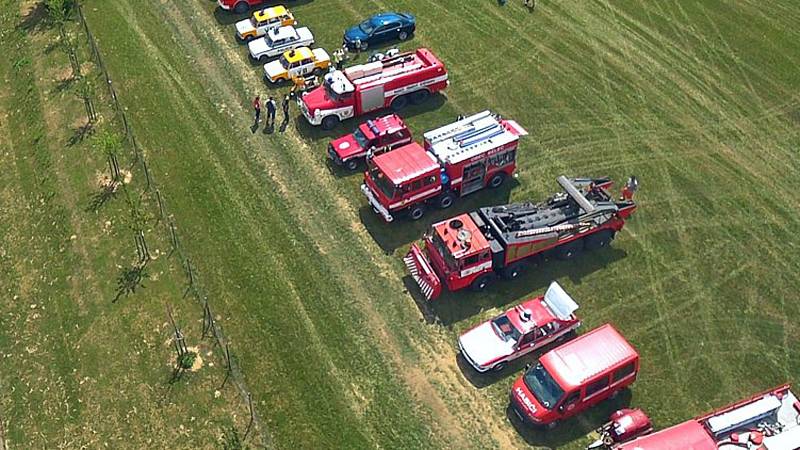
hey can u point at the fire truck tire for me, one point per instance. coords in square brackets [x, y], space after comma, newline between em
[497, 180]
[513, 271]
[399, 103]
[446, 200]
[330, 122]
[416, 212]
[599, 240]
[351, 164]
[241, 8]
[569, 251]
[480, 283]
[419, 96]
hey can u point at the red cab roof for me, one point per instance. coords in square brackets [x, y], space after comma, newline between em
[406, 163]
[461, 236]
[382, 125]
[686, 436]
[577, 361]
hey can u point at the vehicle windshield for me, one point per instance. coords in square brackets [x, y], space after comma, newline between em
[381, 181]
[253, 22]
[543, 386]
[367, 26]
[505, 329]
[441, 247]
[284, 62]
[362, 140]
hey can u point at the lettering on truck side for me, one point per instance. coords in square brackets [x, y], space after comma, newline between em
[478, 268]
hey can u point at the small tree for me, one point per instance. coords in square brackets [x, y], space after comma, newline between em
[109, 144]
[85, 91]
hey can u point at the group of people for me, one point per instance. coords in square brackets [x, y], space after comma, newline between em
[272, 109]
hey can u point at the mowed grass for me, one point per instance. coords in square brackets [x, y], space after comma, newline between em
[80, 370]
[699, 100]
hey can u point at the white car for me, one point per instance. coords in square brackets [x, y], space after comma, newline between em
[278, 41]
[262, 21]
[297, 63]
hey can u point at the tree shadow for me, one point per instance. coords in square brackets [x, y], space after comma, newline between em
[129, 280]
[80, 133]
[35, 19]
[571, 429]
[64, 84]
[99, 199]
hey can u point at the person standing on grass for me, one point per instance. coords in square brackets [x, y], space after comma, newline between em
[530, 4]
[257, 109]
[271, 107]
[285, 106]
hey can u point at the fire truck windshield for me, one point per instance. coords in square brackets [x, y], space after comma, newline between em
[543, 386]
[441, 248]
[362, 140]
[381, 181]
[505, 329]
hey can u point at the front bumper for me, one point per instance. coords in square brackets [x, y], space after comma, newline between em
[333, 156]
[376, 204]
[313, 120]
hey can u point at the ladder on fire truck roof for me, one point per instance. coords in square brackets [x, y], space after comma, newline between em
[468, 137]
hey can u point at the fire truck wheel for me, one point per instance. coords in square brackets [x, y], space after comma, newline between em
[497, 180]
[399, 103]
[351, 164]
[446, 200]
[599, 240]
[241, 8]
[480, 283]
[570, 250]
[330, 122]
[419, 96]
[513, 271]
[416, 212]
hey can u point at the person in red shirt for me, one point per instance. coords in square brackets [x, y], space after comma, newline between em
[257, 108]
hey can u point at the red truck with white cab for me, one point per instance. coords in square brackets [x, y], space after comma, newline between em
[458, 159]
[469, 250]
[523, 329]
[372, 137]
[769, 420]
[574, 377]
[395, 81]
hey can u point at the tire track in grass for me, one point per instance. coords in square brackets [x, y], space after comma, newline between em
[254, 224]
[415, 374]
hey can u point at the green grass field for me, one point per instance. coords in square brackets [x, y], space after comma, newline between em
[698, 99]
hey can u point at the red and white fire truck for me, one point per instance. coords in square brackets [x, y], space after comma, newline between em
[458, 159]
[371, 137]
[395, 81]
[766, 421]
[470, 249]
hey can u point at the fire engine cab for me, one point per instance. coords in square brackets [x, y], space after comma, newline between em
[766, 421]
[458, 159]
[470, 249]
[394, 81]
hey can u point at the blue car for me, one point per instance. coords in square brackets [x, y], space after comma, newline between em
[380, 28]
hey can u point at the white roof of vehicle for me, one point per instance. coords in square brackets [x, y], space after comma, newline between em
[321, 55]
[471, 136]
[559, 302]
[338, 82]
[283, 33]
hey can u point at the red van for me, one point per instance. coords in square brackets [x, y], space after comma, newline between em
[575, 376]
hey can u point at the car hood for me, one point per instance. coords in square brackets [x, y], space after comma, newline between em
[244, 26]
[354, 33]
[317, 98]
[346, 146]
[482, 345]
[274, 69]
[258, 46]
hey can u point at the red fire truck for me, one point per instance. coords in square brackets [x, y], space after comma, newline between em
[470, 249]
[458, 159]
[394, 81]
[766, 421]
